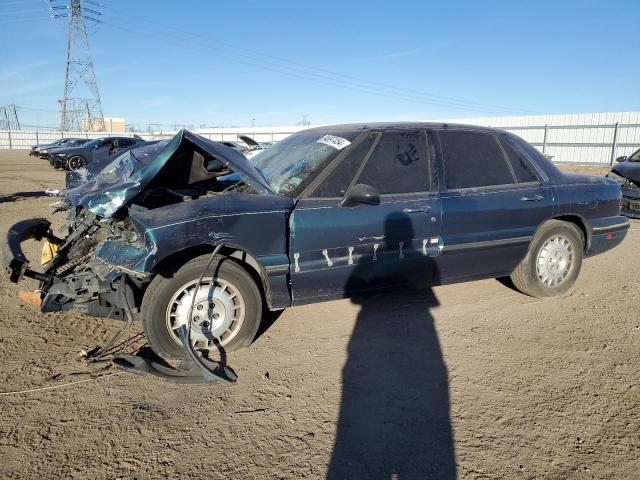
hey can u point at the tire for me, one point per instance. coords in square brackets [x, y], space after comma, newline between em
[553, 261]
[168, 299]
[76, 162]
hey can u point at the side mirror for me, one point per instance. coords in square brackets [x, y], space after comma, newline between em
[361, 194]
[621, 159]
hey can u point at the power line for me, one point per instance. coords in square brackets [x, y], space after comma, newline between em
[311, 72]
[297, 73]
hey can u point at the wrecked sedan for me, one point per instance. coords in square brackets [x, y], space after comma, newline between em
[627, 173]
[323, 214]
[73, 158]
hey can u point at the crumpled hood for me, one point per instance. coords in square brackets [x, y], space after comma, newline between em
[126, 176]
[627, 169]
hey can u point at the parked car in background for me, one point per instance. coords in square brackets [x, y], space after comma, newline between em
[326, 213]
[237, 146]
[35, 149]
[627, 173]
[73, 158]
[254, 147]
[46, 152]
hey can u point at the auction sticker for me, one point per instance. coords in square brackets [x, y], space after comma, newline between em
[336, 142]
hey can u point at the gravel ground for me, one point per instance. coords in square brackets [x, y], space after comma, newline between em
[473, 380]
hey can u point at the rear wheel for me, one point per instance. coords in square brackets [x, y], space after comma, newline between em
[76, 162]
[226, 311]
[553, 261]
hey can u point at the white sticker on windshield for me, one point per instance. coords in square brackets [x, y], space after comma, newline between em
[336, 142]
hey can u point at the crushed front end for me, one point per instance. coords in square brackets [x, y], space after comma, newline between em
[101, 260]
[72, 277]
[630, 194]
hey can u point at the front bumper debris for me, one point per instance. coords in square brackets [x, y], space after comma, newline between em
[15, 262]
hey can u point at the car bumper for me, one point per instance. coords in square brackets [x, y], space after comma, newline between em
[631, 202]
[15, 262]
[57, 162]
[607, 233]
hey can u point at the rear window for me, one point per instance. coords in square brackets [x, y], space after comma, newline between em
[473, 159]
[521, 167]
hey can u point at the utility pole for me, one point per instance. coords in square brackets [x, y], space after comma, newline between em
[79, 110]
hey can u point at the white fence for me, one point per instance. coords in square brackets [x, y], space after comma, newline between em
[22, 139]
[590, 139]
[583, 138]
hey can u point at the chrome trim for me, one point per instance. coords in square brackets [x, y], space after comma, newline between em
[486, 244]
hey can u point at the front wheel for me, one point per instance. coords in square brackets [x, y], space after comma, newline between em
[553, 261]
[76, 162]
[226, 311]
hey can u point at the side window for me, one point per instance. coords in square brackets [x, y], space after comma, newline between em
[521, 166]
[337, 182]
[473, 159]
[398, 164]
[126, 142]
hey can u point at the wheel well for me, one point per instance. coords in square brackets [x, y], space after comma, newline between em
[581, 224]
[242, 257]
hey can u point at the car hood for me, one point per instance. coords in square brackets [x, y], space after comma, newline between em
[628, 169]
[57, 149]
[67, 150]
[130, 173]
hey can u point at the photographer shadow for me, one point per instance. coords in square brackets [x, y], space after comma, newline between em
[394, 412]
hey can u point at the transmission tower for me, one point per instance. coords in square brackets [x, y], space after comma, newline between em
[9, 118]
[80, 108]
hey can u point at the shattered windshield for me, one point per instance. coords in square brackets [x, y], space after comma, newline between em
[291, 164]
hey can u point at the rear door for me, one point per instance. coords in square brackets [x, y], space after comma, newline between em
[337, 251]
[493, 201]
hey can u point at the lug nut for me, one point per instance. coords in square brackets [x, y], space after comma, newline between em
[196, 319]
[216, 316]
[199, 307]
[212, 305]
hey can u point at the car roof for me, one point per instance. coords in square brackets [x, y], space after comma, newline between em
[402, 126]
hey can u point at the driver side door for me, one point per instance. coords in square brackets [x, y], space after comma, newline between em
[102, 150]
[337, 251]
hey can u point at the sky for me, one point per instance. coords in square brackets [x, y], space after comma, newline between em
[237, 63]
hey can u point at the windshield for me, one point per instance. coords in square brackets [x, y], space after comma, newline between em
[291, 164]
[635, 157]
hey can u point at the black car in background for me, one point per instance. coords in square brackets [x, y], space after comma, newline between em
[627, 173]
[35, 149]
[326, 213]
[73, 158]
[46, 151]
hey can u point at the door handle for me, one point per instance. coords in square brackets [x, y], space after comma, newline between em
[424, 209]
[534, 198]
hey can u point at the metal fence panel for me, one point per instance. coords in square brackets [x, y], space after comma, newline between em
[591, 139]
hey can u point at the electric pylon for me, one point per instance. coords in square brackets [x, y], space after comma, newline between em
[80, 108]
[9, 118]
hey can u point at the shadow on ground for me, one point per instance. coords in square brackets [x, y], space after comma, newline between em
[15, 197]
[394, 412]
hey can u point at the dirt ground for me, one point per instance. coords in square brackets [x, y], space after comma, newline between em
[473, 380]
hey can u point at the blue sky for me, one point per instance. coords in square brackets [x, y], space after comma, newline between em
[212, 63]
